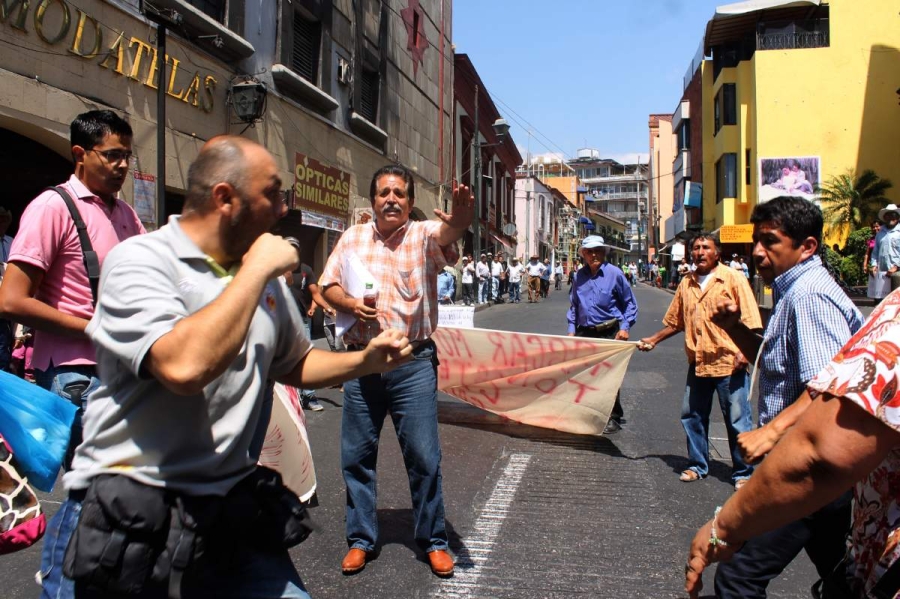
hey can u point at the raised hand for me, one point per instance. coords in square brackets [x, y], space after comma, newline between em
[462, 209]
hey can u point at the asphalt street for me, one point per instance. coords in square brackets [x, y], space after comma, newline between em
[531, 513]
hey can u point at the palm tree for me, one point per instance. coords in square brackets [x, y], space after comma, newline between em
[850, 202]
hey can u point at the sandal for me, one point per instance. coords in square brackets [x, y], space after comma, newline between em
[689, 476]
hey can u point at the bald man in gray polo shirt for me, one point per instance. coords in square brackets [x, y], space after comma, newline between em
[191, 327]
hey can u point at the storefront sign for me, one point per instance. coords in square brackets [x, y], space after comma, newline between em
[311, 219]
[53, 22]
[320, 188]
[736, 234]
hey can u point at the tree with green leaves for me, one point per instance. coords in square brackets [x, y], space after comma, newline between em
[851, 202]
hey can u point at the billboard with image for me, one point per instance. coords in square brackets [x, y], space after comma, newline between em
[796, 176]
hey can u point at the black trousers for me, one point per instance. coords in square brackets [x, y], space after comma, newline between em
[617, 413]
[763, 558]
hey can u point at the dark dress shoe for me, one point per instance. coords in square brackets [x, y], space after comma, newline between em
[612, 426]
[441, 563]
[354, 561]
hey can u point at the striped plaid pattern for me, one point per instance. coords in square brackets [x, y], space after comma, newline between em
[811, 321]
[707, 346]
[405, 266]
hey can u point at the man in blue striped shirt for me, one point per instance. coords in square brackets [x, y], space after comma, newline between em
[811, 320]
[602, 306]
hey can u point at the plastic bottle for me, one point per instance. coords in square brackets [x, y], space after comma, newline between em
[370, 300]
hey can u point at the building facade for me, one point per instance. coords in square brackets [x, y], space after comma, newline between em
[495, 175]
[349, 86]
[619, 191]
[793, 95]
[660, 180]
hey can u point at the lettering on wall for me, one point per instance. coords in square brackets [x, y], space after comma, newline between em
[321, 188]
[57, 22]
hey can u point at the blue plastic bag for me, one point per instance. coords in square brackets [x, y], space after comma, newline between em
[37, 425]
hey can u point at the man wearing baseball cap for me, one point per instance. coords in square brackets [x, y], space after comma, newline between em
[602, 306]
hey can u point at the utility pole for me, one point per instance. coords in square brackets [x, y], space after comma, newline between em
[527, 255]
[476, 149]
[163, 19]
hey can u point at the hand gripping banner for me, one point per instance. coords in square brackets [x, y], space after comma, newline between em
[564, 383]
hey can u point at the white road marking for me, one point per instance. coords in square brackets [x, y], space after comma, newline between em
[477, 547]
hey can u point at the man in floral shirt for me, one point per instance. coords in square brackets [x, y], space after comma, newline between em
[850, 434]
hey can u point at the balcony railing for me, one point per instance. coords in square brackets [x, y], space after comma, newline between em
[621, 195]
[794, 40]
[791, 35]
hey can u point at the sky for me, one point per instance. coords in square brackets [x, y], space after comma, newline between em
[582, 73]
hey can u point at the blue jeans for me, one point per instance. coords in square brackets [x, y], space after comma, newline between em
[495, 286]
[764, 557]
[483, 289]
[514, 291]
[307, 325]
[75, 383]
[733, 392]
[246, 573]
[409, 394]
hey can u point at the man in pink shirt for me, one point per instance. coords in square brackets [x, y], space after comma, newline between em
[46, 284]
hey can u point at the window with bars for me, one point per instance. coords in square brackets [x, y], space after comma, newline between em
[214, 9]
[307, 37]
[368, 94]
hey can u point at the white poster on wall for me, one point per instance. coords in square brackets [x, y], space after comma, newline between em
[145, 196]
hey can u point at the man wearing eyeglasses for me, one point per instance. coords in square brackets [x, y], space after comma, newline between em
[46, 285]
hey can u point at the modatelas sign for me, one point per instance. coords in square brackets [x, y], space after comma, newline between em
[320, 188]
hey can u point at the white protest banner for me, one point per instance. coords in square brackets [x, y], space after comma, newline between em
[564, 383]
[286, 447]
[456, 316]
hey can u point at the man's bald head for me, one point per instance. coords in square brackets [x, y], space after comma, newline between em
[222, 159]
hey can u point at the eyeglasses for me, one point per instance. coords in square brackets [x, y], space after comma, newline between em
[114, 156]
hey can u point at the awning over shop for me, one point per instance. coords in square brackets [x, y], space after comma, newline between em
[585, 220]
[502, 242]
[589, 226]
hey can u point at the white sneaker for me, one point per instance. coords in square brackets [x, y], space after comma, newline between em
[312, 404]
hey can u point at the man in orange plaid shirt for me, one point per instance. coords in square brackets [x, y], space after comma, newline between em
[404, 258]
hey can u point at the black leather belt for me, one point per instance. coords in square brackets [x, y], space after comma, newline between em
[603, 327]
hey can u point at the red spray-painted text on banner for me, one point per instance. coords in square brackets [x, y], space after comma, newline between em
[564, 383]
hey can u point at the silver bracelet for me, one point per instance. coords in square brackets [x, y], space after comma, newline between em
[714, 539]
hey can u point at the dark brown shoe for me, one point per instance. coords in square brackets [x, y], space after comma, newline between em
[441, 563]
[354, 561]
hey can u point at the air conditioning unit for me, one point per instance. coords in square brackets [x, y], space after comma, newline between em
[344, 72]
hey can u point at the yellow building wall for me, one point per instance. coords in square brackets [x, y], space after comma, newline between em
[710, 210]
[838, 103]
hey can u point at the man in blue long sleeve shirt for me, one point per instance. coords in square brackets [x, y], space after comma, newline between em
[602, 306]
[446, 286]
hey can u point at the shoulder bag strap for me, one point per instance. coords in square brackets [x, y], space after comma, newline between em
[91, 263]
